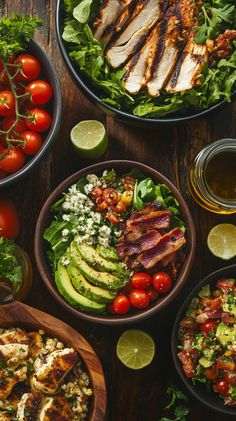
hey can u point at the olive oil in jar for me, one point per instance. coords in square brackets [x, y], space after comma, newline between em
[220, 175]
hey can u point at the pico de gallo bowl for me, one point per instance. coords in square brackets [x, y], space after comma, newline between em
[204, 341]
[119, 236]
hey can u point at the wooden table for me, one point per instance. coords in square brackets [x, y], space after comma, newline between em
[132, 396]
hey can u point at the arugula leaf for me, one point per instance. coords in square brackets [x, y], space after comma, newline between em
[15, 33]
[9, 267]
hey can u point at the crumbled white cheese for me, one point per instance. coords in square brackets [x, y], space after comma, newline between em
[65, 261]
[66, 217]
[65, 233]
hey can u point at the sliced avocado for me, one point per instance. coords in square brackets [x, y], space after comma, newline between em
[93, 258]
[103, 279]
[208, 353]
[224, 334]
[79, 282]
[108, 253]
[66, 289]
[205, 362]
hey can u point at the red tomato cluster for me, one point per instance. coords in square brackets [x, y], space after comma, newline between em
[140, 292]
[9, 220]
[33, 93]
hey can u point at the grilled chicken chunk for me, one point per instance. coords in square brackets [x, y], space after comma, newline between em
[14, 336]
[145, 15]
[4, 417]
[35, 344]
[109, 13]
[189, 67]
[135, 77]
[51, 369]
[28, 407]
[56, 409]
[14, 354]
[173, 29]
[7, 382]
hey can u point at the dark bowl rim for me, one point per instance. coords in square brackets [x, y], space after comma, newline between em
[56, 120]
[210, 278]
[42, 264]
[115, 111]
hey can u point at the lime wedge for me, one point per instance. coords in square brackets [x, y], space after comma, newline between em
[89, 138]
[221, 241]
[135, 349]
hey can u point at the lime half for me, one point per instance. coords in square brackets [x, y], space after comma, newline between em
[90, 139]
[135, 349]
[221, 241]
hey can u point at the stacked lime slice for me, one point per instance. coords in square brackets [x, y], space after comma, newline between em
[89, 138]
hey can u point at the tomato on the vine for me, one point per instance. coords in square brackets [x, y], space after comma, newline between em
[222, 386]
[40, 92]
[152, 294]
[9, 121]
[162, 282]
[208, 326]
[13, 161]
[139, 298]
[33, 142]
[141, 280]
[121, 304]
[30, 67]
[38, 120]
[9, 220]
[7, 103]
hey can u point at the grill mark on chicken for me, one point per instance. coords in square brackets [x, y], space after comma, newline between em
[176, 72]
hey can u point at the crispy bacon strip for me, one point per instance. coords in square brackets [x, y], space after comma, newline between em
[153, 220]
[139, 245]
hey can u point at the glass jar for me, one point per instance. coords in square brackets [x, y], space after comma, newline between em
[198, 185]
[10, 292]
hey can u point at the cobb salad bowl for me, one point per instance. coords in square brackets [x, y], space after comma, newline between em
[216, 395]
[116, 281]
[97, 94]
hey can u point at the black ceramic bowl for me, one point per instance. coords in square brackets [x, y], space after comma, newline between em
[199, 391]
[91, 92]
[48, 73]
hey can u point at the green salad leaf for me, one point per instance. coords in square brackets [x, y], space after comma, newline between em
[82, 11]
[9, 267]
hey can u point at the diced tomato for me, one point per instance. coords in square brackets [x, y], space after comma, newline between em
[96, 192]
[111, 196]
[112, 217]
[211, 372]
[224, 363]
[226, 284]
[208, 326]
[101, 207]
[230, 377]
[214, 304]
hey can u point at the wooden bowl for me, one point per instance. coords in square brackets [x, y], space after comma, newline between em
[40, 246]
[18, 314]
[199, 390]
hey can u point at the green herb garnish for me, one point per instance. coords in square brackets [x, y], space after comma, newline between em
[9, 267]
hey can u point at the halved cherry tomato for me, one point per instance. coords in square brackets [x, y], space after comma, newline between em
[208, 326]
[96, 192]
[112, 217]
[162, 282]
[7, 103]
[102, 206]
[33, 142]
[210, 373]
[152, 294]
[9, 220]
[111, 196]
[13, 161]
[38, 120]
[30, 67]
[40, 92]
[221, 386]
[121, 207]
[141, 280]
[139, 298]
[121, 304]
[9, 121]
[224, 363]
[226, 284]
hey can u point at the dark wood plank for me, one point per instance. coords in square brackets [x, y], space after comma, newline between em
[133, 396]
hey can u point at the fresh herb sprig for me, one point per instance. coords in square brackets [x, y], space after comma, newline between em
[9, 267]
[176, 404]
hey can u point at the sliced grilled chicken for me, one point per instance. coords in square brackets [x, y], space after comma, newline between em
[28, 407]
[9, 379]
[145, 15]
[13, 354]
[189, 68]
[35, 344]
[174, 28]
[51, 369]
[109, 13]
[56, 409]
[135, 77]
[14, 336]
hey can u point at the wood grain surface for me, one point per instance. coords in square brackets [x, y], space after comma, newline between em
[132, 396]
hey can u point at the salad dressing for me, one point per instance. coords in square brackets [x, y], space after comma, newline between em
[220, 175]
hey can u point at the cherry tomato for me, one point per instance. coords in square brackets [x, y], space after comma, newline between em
[9, 121]
[40, 92]
[13, 161]
[7, 103]
[2, 174]
[33, 142]
[121, 207]
[30, 67]
[222, 386]
[96, 193]
[111, 196]
[152, 294]
[121, 304]
[126, 290]
[128, 182]
[141, 280]
[38, 120]
[224, 363]
[210, 373]
[139, 298]
[162, 282]
[112, 217]
[226, 284]
[9, 220]
[102, 206]
[208, 326]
